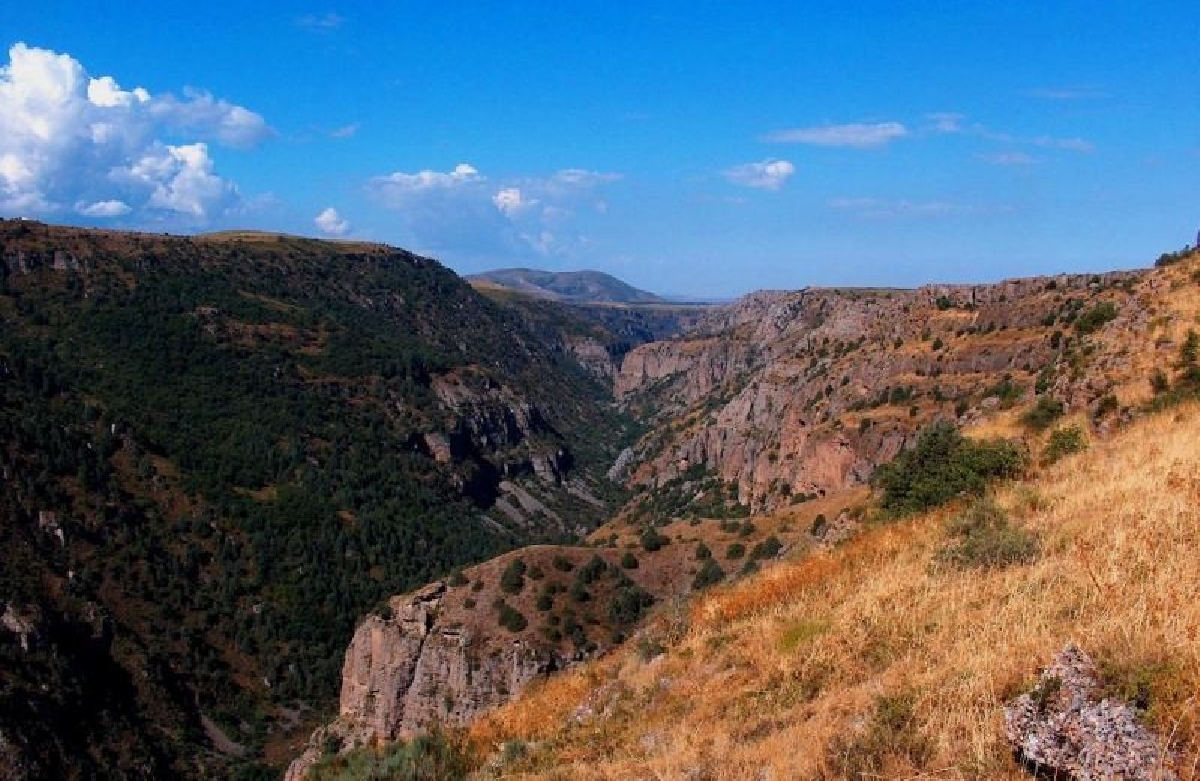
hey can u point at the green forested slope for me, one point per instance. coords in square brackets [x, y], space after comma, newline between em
[237, 438]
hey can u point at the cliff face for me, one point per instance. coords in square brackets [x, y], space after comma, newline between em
[412, 669]
[790, 395]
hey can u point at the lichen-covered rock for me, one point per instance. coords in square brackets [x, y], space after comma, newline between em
[1062, 729]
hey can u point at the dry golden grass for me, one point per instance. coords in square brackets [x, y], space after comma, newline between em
[760, 678]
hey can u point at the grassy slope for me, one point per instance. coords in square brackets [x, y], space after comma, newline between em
[769, 673]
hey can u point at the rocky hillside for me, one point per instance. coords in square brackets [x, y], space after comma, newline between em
[576, 286]
[838, 382]
[217, 453]
[916, 649]
[786, 396]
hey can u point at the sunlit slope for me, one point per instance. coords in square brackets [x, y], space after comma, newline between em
[880, 656]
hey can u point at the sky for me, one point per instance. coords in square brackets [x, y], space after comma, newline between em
[690, 148]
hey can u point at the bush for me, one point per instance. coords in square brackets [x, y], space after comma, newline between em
[562, 563]
[1090, 321]
[710, 574]
[942, 465]
[736, 550]
[1063, 442]
[986, 539]
[511, 618]
[1041, 415]
[702, 552]
[652, 540]
[628, 603]
[629, 561]
[513, 578]
[766, 549]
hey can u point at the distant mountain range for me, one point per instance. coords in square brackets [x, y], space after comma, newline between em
[582, 286]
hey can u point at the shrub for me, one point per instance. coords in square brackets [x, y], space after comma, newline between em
[710, 574]
[512, 580]
[819, 525]
[1041, 415]
[1159, 382]
[736, 550]
[986, 539]
[592, 571]
[652, 540]
[766, 549]
[544, 602]
[562, 563]
[942, 465]
[457, 578]
[1090, 321]
[629, 561]
[627, 604]
[511, 618]
[1063, 442]
[702, 552]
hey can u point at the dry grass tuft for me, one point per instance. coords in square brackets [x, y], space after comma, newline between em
[874, 659]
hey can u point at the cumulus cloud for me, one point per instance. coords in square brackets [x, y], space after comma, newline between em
[70, 142]
[855, 135]
[767, 175]
[465, 215]
[331, 223]
[510, 202]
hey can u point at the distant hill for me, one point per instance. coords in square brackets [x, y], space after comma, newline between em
[582, 286]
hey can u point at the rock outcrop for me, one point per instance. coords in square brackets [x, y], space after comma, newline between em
[1063, 729]
[416, 667]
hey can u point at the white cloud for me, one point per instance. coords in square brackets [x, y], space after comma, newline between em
[464, 215]
[510, 202]
[331, 223]
[346, 131]
[210, 118]
[855, 135]
[768, 175]
[70, 142]
[103, 209]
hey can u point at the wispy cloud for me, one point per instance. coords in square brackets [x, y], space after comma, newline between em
[1009, 159]
[945, 122]
[855, 135]
[1065, 93]
[769, 174]
[904, 208]
[325, 21]
[345, 131]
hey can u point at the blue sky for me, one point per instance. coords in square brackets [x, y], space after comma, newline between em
[704, 148]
